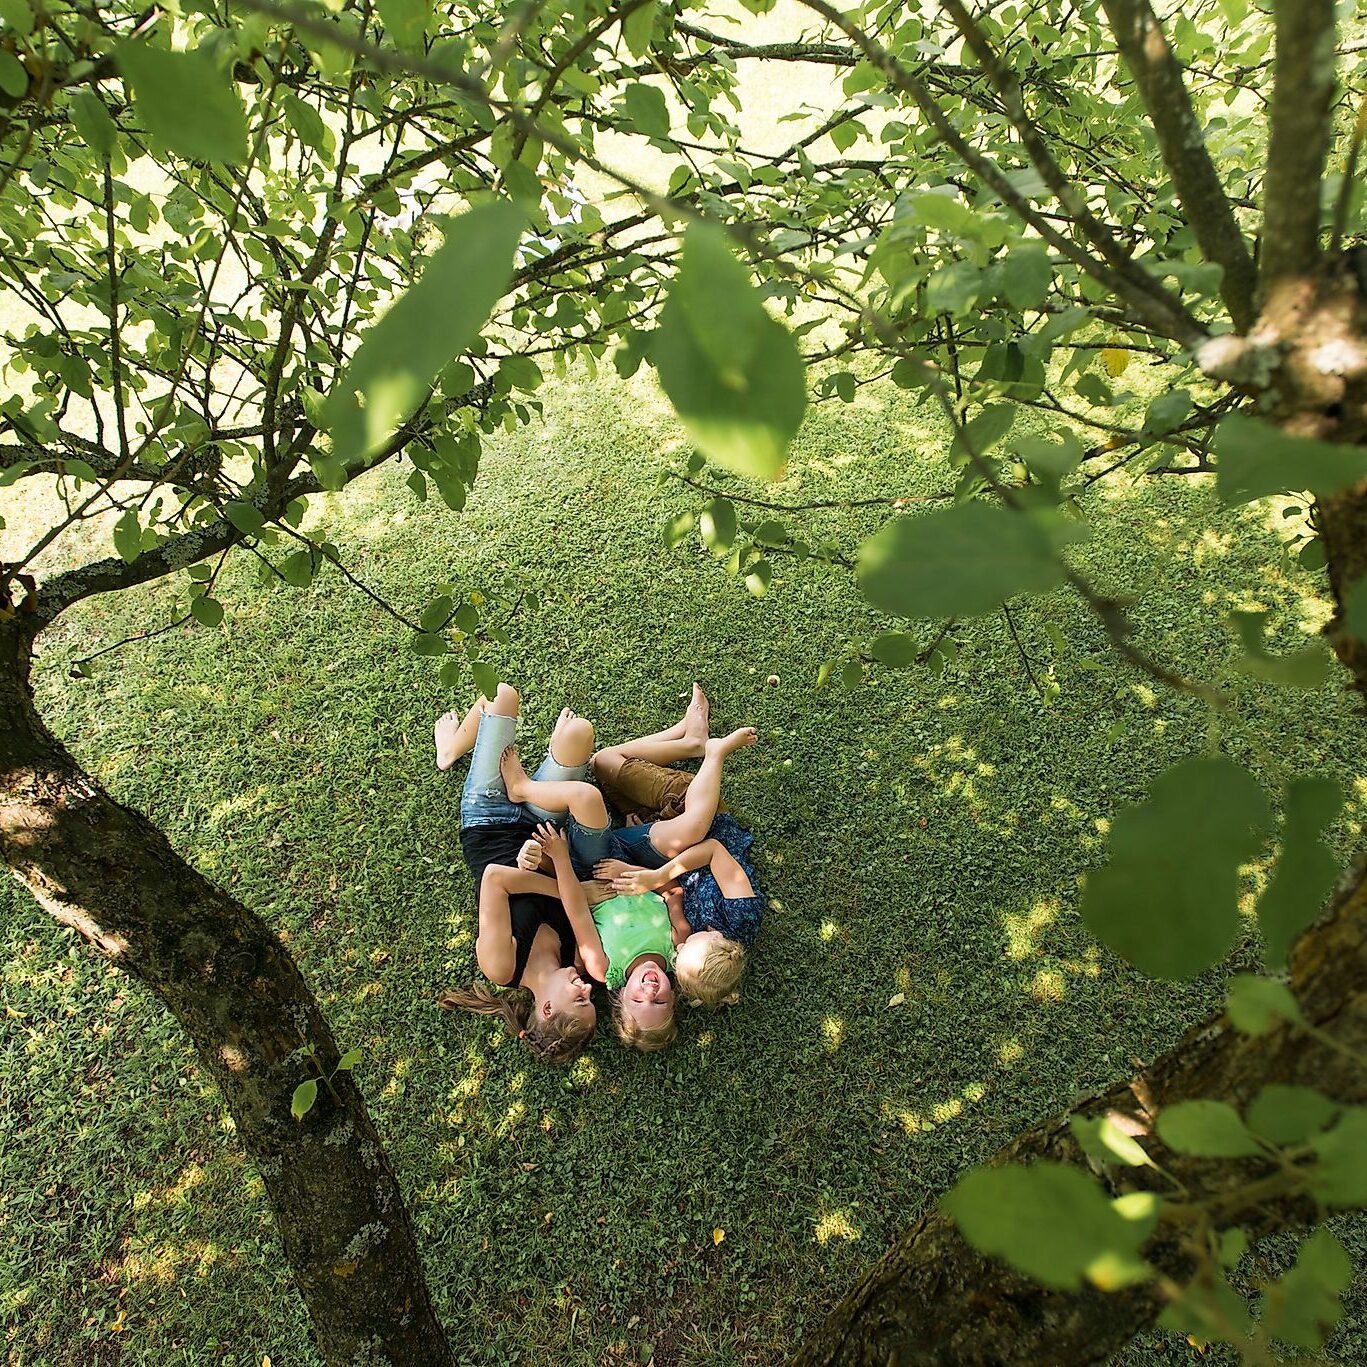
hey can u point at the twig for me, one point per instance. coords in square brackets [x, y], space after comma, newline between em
[1025, 658]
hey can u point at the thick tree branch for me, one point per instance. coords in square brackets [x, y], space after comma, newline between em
[934, 1300]
[1158, 74]
[1302, 95]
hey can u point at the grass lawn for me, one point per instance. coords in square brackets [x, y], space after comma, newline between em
[923, 837]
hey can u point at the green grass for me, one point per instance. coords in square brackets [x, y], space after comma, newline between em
[921, 835]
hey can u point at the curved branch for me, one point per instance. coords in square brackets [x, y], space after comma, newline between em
[1158, 74]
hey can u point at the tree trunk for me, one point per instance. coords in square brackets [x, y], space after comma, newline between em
[109, 873]
[933, 1299]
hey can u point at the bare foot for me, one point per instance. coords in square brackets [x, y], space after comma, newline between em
[697, 716]
[446, 734]
[515, 778]
[737, 740]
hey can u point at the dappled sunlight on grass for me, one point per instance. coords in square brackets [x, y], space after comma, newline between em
[921, 835]
[835, 1224]
[1023, 931]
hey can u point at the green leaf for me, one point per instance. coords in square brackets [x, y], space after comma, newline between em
[185, 101]
[896, 649]
[1167, 900]
[982, 432]
[1256, 1004]
[1257, 459]
[1101, 1138]
[91, 120]
[486, 677]
[466, 618]
[17, 15]
[307, 122]
[1233, 1244]
[245, 517]
[1209, 1310]
[677, 527]
[437, 613]
[959, 562]
[954, 288]
[1304, 668]
[207, 611]
[1051, 1223]
[1026, 275]
[13, 75]
[404, 20]
[758, 578]
[305, 1094]
[1287, 1115]
[717, 524]
[646, 108]
[437, 318]
[348, 1060]
[639, 27]
[427, 643]
[1206, 1129]
[771, 533]
[1306, 870]
[1167, 411]
[128, 536]
[1339, 1177]
[941, 209]
[1302, 1306]
[733, 373]
[297, 569]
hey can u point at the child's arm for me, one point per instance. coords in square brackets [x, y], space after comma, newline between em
[495, 948]
[709, 854]
[576, 904]
[678, 922]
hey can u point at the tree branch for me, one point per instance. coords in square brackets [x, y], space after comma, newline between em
[1302, 96]
[1158, 74]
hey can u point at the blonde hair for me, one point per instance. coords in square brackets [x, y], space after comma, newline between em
[713, 982]
[636, 1036]
[558, 1038]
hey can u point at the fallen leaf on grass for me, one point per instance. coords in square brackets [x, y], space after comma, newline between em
[717, 1236]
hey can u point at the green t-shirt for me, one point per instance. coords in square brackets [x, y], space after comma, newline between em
[632, 925]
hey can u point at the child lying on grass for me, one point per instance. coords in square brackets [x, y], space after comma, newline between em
[525, 939]
[724, 919]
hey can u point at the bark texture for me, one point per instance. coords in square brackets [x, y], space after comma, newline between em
[110, 874]
[933, 1300]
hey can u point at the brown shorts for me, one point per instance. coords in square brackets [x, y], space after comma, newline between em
[647, 790]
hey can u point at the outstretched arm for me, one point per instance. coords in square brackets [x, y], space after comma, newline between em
[553, 841]
[707, 854]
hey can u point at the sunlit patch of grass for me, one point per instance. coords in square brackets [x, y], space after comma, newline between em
[835, 1224]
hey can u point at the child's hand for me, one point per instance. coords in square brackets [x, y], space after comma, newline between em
[529, 856]
[636, 881]
[552, 839]
[608, 869]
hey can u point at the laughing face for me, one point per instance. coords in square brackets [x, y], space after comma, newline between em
[648, 996]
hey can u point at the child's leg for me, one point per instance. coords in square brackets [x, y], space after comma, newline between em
[581, 800]
[700, 804]
[684, 740]
[485, 799]
[455, 735]
[567, 756]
